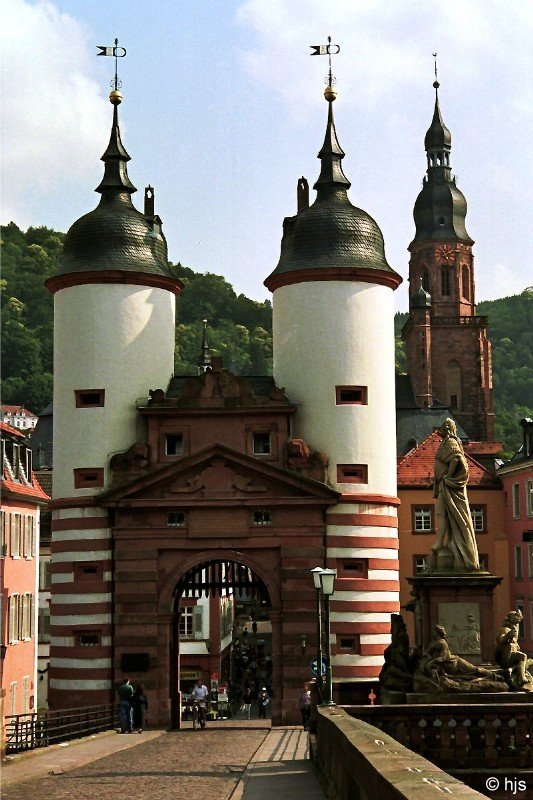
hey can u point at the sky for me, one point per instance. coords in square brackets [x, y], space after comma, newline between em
[223, 111]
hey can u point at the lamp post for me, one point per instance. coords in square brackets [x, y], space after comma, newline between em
[316, 572]
[327, 585]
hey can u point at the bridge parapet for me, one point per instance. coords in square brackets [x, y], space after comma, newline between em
[354, 759]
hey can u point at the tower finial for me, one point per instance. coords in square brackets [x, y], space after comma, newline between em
[115, 97]
[204, 361]
[436, 83]
[327, 50]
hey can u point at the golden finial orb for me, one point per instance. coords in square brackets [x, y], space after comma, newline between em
[330, 94]
[115, 97]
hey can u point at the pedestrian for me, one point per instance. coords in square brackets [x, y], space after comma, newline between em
[200, 695]
[264, 702]
[125, 694]
[304, 704]
[247, 698]
[139, 705]
[254, 627]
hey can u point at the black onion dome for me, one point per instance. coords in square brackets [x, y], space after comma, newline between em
[115, 236]
[332, 233]
[440, 212]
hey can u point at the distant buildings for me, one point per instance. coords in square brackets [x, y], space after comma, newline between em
[18, 417]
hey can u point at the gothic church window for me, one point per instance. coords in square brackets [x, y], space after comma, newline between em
[465, 283]
[445, 288]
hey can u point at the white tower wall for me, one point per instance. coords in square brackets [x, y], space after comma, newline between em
[116, 337]
[340, 333]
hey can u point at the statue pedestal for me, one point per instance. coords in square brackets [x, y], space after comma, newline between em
[463, 604]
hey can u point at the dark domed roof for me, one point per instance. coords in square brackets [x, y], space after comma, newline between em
[115, 236]
[440, 212]
[332, 233]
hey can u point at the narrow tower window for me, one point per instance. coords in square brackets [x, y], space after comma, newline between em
[89, 398]
[262, 444]
[174, 444]
[352, 473]
[87, 478]
[351, 395]
[445, 281]
[465, 283]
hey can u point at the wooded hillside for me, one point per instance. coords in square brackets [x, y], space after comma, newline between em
[240, 330]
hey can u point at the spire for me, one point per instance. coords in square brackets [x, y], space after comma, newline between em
[115, 158]
[438, 139]
[204, 360]
[332, 179]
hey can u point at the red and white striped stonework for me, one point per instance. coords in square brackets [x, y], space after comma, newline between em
[363, 527]
[81, 607]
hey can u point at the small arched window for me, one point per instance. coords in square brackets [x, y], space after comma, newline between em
[445, 281]
[425, 278]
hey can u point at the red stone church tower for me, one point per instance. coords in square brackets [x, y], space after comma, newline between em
[448, 353]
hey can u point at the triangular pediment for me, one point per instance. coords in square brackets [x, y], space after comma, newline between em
[217, 474]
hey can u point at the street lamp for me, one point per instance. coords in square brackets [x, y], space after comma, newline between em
[316, 572]
[327, 585]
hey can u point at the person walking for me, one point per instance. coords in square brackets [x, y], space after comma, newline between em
[264, 702]
[247, 698]
[304, 704]
[125, 694]
[139, 706]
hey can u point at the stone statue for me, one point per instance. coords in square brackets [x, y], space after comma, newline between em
[440, 672]
[397, 672]
[455, 532]
[510, 657]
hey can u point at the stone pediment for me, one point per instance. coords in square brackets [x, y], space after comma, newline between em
[217, 474]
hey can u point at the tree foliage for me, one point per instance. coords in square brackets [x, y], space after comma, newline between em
[240, 330]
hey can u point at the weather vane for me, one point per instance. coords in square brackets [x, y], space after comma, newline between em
[117, 52]
[326, 50]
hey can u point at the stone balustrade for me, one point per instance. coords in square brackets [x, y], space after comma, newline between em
[357, 761]
[469, 737]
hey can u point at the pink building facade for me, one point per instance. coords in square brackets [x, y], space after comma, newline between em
[22, 498]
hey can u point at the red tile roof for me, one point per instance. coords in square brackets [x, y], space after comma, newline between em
[34, 491]
[17, 410]
[9, 429]
[416, 468]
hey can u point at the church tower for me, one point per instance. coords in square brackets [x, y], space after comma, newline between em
[447, 350]
[333, 342]
[114, 310]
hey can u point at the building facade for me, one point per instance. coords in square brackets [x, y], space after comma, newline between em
[517, 478]
[215, 483]
[22, 499]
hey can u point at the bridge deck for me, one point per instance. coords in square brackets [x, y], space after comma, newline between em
[248, 762]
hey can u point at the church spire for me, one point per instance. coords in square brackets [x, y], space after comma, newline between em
[438, 140]
[115, 158]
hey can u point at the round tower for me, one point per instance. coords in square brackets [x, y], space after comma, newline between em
[114, 327]
[333, 340]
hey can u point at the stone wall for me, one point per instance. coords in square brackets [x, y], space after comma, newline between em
[356, 761]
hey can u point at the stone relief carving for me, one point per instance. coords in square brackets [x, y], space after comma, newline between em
[216, 480]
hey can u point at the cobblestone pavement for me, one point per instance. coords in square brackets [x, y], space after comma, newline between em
[180, 765]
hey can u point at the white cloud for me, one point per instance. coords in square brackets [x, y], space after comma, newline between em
[53, 108]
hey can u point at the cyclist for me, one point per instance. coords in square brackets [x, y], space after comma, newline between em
[199, 694]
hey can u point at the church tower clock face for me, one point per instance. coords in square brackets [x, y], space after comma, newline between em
[445, 253]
